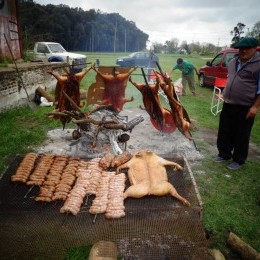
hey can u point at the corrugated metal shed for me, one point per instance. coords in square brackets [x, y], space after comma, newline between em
[9, 28]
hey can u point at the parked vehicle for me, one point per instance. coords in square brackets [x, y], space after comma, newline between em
[217, 67]
[139, 59]
[54, 52]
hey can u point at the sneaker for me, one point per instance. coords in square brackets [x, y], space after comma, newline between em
[234, 166]
[220, 159]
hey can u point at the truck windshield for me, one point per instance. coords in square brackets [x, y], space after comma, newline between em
[56, 47]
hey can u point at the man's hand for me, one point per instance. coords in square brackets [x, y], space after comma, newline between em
[252, 112]
[253, 109]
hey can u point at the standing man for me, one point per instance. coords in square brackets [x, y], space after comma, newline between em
[187, 70]
[241, 102]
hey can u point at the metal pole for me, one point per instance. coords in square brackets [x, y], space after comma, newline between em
[115, 37]
[125, 40]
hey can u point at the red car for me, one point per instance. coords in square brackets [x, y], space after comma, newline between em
[217, 68]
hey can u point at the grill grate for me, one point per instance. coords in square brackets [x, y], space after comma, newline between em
[154, 227]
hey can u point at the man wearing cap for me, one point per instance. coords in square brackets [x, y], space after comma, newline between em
[241, 102]
[187, 70]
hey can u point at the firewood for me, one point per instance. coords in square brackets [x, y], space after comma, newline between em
[103, 250]
[207, 253]
[45, 94]
[242, 248]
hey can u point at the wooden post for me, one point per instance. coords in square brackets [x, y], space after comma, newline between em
[240, 247]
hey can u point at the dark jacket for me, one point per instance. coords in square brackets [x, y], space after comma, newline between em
[241, 85]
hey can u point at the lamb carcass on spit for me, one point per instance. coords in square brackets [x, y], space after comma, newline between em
[69, 84]
[68, 90]
[147, 175]
[180, 115]
[114, 87]
[160, 117]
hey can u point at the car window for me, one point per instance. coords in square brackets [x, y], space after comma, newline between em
[132, 55]
[56, 48]
[140, 55]
[228, 58]
[217, 60]
[41, 48]
[154, 57]
[137, 56]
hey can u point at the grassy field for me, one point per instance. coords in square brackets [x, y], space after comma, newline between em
[231, 199]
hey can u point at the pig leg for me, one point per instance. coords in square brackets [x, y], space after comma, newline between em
[164, 188]
[137, 190]
[175, 194]
[169, 163]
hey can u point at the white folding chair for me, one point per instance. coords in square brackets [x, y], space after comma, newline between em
[217, 97]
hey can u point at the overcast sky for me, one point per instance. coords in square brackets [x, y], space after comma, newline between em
[189, 20]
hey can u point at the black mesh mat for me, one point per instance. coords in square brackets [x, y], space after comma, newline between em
[153, 228]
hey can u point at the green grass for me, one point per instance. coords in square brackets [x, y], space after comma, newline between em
[231, 199]
[21, 130]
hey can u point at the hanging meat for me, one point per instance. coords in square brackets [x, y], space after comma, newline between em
[114, 87]
[147, 175]
[180, 115]
[160, 117]
[67, 91]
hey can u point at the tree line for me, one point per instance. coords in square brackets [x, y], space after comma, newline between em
[238, 32]
[77, 29]
[95, 31]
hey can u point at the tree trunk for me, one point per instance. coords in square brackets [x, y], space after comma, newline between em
[239, 246]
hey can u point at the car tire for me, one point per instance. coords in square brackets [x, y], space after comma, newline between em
[201, 80]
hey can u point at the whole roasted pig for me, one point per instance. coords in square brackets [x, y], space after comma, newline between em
[147, 175]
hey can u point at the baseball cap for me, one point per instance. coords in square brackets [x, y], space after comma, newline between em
[246, 42]
[179, 61]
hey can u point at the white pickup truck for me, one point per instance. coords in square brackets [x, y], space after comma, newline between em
[54, 52]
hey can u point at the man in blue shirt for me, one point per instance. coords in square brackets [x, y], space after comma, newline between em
[187, 70]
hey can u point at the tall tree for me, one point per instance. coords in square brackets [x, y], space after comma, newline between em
[172, 45]
[255, 32]
[77, 29]
[184, 46]
[237, 33]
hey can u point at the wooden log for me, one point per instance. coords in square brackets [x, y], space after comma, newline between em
[103, 250]
[207, 253]
[45, 94]
[240, 247]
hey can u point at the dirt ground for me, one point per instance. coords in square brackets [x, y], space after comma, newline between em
[145, 136]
